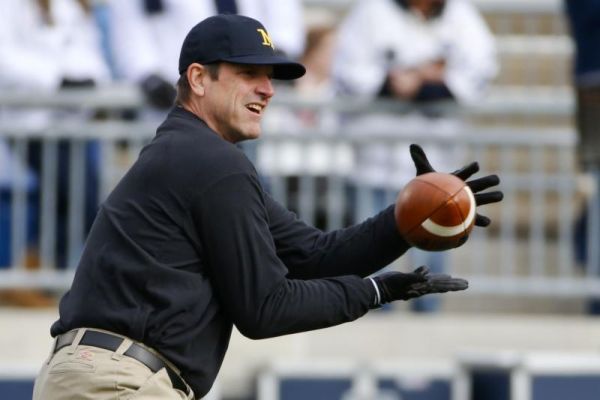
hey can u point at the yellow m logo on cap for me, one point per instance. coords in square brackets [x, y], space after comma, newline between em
[266, 39]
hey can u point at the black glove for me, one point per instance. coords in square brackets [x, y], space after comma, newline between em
[401, 286]
[159, 93]
[476, 185]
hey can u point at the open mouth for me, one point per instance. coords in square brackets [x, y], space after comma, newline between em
[255, 108]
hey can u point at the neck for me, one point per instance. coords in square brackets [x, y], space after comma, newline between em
[197, 111]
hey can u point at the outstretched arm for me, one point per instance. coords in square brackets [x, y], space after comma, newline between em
[310, 253]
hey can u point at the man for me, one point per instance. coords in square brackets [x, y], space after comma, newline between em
[188, 244]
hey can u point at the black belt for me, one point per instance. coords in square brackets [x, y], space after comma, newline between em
[111, 342]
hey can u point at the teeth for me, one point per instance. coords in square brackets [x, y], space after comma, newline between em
[256, 107]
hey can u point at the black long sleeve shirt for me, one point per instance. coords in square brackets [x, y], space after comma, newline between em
[189, 244]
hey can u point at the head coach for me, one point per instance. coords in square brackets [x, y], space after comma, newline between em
[189, 244]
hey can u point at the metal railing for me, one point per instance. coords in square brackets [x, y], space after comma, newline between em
[527, 251]
[522, 6]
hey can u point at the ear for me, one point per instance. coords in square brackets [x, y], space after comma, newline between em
[196, 73]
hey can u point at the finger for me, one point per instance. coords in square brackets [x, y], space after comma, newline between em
[451, 285]
[481, 220]
[465, 172]
[420, 159]
[439, 277]
[422, 270]
[477, 185]
[489, 197]
[443, 279]
[460, 283]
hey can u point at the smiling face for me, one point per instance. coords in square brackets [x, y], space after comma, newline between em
[233, 102]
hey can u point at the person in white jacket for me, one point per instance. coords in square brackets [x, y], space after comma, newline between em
[428, 41]
[44, 44]
[413, 51]
[145, 36]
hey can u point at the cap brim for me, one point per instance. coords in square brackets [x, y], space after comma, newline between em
[282, 67]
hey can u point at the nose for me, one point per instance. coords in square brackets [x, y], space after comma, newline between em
[265, 88]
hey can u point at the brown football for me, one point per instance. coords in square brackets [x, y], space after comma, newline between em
[435, 211]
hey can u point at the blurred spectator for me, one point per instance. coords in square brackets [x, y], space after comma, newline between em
[584, 21]
[316, 160]
[146, 35]
[45, 46]
[317, 56]
[415, 51]
[48, 45]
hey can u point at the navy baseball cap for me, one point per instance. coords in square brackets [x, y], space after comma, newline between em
[236, 39]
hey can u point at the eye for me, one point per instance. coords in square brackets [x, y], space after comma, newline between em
[248, 72]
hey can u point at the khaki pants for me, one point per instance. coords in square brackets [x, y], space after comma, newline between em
[86, 372]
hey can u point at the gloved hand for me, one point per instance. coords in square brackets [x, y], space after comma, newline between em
[404, 286]
[477, 185]
[159, 93]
